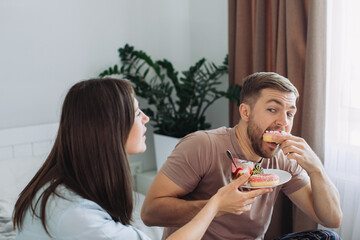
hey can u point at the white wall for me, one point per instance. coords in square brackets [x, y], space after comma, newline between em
[209, 39]
[48, 45]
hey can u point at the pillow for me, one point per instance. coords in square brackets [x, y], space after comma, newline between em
[6, 226]
[15, 174]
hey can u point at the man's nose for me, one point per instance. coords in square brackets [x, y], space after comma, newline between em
[282, 120]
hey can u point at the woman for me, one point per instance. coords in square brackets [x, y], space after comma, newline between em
[84, 188]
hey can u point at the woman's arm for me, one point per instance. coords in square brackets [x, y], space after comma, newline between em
[228, 199]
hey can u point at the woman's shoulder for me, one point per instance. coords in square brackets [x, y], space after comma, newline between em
[66, 200]
[85, 219]
[65, 211]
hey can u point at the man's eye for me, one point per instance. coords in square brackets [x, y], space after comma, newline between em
[272, 110]
[290, 115]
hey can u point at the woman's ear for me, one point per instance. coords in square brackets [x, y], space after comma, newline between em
[244, 110]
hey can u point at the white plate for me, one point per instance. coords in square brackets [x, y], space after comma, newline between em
[283, 175]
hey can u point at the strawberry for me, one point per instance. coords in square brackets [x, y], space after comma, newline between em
[240, 170]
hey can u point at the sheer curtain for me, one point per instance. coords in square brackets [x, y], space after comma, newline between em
[342, 137]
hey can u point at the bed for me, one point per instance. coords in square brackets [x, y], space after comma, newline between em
[22, 151]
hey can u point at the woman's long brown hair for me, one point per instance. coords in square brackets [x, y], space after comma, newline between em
[89, 154]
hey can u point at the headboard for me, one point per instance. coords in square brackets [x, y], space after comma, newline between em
[34, 142]
[22, 152]
[27, 141]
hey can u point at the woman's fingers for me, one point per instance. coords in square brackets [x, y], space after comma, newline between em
[236, 201]
[258, 192]
[241, 180]
[248, 198]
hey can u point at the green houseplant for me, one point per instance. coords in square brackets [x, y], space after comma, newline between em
[177, 102]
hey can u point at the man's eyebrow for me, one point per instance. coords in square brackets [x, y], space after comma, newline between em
[279, 103]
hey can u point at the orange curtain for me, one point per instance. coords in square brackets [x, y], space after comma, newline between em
[286, 37]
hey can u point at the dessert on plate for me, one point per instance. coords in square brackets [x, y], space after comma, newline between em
[257, 176]
[264, 180]
[240, 168]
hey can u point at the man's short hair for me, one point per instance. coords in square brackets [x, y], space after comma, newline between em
[254, 83]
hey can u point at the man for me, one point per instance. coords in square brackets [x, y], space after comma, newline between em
[198, 167]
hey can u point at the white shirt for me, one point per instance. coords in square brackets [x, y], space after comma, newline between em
[75, 218]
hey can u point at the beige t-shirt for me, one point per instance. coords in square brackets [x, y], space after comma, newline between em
[199, 165]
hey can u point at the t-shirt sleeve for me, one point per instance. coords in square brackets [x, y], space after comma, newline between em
[189, 161]
[88, 221]
[299, 177]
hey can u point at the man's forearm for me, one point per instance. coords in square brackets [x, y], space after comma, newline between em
[326, 199]
[170, 211]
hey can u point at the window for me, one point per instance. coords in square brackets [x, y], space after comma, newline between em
[342, 131]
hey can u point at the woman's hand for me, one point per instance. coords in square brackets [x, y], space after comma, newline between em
[230, 199]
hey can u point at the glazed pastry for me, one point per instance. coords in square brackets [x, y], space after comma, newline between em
[264, 180]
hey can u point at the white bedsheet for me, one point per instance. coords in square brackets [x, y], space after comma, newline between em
[154, 233]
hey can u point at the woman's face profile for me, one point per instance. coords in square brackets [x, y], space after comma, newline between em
[136, 140]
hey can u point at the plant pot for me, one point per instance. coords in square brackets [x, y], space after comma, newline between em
[163, 147]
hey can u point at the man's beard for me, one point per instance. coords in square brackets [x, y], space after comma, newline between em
[255, 135]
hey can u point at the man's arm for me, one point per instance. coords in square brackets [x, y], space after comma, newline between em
[162, 206]
[323, 209]
[320, 199]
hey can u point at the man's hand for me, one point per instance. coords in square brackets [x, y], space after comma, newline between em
[320, 199]
[296, 148]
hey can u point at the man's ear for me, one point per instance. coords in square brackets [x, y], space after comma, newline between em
[244, 110]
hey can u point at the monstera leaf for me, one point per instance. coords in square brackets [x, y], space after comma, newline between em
[177, 102]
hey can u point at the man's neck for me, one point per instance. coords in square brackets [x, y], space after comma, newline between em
[244, 142]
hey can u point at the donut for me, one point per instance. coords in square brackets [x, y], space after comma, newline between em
[268, 135]
[263, 180]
